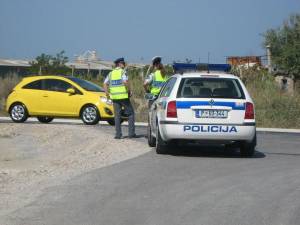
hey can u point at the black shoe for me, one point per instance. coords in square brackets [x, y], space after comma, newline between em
[118, 137]
[133, 136]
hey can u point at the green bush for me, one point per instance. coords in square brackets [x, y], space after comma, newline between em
[274, 108]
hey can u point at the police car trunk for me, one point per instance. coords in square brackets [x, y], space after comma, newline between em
[211, 107]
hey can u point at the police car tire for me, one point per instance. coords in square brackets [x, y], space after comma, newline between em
[151, 139]
[247, 149]
[45, 119]
[161, 146]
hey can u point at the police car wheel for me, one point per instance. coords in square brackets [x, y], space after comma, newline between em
[90, 115]
[161, 146]
[151, 139]
[18, 113]
[247, 149]
[45, 119]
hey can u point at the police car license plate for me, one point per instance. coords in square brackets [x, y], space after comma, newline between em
[211, 113]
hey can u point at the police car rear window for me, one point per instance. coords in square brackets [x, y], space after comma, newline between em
[210, 88]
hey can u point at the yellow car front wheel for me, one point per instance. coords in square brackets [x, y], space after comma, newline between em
[90, 115]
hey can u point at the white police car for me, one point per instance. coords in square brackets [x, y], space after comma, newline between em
[206, 107]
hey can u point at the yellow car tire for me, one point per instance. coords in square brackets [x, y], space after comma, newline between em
[18, 112]
[90, 115]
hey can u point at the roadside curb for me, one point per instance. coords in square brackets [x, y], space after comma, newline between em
[141, 124]
[278, 130]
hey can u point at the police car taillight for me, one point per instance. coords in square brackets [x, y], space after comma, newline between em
[172, 110]
[249, 112]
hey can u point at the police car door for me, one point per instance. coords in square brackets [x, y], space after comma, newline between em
[164, 95]
[210, 100]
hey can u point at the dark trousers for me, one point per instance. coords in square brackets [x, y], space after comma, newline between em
[128, 111]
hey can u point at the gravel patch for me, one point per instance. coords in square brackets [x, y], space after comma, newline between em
[34, 157]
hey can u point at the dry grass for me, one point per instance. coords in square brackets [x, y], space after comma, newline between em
[7, 83]
[274, 108]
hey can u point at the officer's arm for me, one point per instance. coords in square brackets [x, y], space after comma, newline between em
[105, 86]
[148, 82]
[146, 85]
[126, 82]
[127, 86]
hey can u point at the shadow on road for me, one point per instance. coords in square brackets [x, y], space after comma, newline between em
[209, 151]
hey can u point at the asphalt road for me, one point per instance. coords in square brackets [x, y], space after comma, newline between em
[195, 186]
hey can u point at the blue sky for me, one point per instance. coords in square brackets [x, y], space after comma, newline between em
[139, 29]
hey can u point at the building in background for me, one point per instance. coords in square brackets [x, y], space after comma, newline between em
[17, 66]
[244, 61]
[87, 63]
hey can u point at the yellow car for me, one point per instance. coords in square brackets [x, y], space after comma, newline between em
[47, 97]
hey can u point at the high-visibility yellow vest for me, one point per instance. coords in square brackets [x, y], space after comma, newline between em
[157, 82]
[117, 89]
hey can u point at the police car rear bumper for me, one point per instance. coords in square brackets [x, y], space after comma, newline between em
[234, 132]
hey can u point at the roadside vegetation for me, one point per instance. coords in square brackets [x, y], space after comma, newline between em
[7, 83]
[274, 107]
[284, 43]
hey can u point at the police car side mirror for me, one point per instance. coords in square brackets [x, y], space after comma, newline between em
[149, 96]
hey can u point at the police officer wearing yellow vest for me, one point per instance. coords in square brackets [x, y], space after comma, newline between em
[117, 89]
[155, 80]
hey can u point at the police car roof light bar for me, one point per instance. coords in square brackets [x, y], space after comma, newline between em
[187, 67]
[184, 67]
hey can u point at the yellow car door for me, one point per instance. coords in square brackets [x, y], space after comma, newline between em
[57, 101]
[32, 96]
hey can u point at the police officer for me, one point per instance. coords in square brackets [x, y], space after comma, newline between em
[117, 88]
[155, 80]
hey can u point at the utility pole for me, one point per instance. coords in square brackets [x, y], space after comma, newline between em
[269, 63]
[73, 67]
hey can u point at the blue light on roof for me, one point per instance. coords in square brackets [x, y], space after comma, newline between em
[184, 67]
[219, 67]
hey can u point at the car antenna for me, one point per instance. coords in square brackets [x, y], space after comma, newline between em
[208, 62]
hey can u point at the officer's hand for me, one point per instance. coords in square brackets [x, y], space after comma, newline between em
[130, 94]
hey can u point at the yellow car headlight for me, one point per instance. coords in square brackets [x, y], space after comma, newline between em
[105, 100]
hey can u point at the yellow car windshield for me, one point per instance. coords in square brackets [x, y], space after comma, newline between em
[86, 85]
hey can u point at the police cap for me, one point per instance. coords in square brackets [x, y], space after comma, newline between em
[156, 60]
[119, 60]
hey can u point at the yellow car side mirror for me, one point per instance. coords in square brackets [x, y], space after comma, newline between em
[71, 91]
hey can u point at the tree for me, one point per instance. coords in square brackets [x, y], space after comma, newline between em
[284, 44]
[48, 64]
